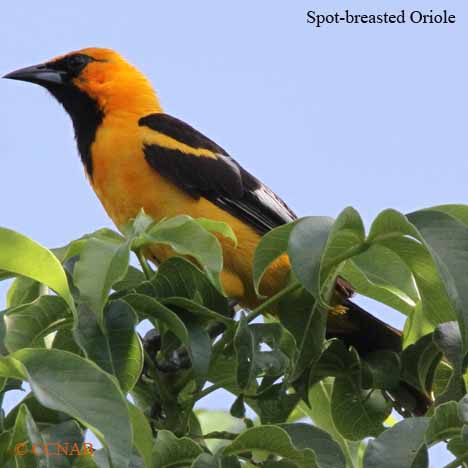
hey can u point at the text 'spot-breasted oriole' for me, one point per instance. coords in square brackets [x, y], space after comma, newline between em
[136, 156]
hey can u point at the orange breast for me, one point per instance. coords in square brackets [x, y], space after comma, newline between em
[125, 183]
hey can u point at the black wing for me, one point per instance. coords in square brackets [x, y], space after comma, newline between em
[203, 169]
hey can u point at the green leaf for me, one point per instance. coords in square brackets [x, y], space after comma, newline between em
[384, 267]
[70, 250]
[275, 404]
[379, 273]
[459, 212]
[327, 452]
[254, 361]
[5, 441]
[434, 306]
[189, 333]
[230, 462]
[196, 310]
[358, 413]
[24, 434]
[132, 279]
[417, 325]
[187, 237]
[270, 362]
[380, 369]
[403, 235]
[447, 240]
[337, 361]
[27, 325]
[444, 424]
[238, 409]
[142, 434]
[66, 341]
[307, 325]
[277, 464]
[320, 413]
[75, 247]
[442, 376]
[272, 440]
[101, 264]
[209, 461]
[463, 413]
[212, 420]
[200, 349]
[22, 291]
[177, 277]
[23, 256]
[447, 338]
[244, 346]
[169, 451]
[65, 382]
[307, 243]
[419, 362]
[4, 275]
[391, 224]
[86, 461]
[116, 348]
[150, 308]
[67, 434]
[401, 446]
[271, 246]
[383, 369]
[12, 368]
[218, 227]
[42, 415]
[205, 460]
[458, 447]
[346, 240]
[317, 247]
[138, 225]
[223, 369]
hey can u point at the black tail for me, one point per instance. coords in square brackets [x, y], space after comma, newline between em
[366, 333]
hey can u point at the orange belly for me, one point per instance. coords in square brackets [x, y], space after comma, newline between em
[125, 183]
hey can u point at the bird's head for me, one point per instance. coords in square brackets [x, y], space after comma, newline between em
[95, 76]
[92, 85]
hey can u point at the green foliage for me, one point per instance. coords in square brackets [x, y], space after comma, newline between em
[69, 330]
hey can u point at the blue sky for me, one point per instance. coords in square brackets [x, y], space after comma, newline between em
[368, 116]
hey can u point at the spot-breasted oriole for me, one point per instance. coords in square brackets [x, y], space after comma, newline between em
[136, 156]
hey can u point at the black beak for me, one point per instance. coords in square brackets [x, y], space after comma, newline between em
[39, 74]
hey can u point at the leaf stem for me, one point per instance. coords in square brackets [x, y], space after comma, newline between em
[456, 463]
[227, 336]
[272, 300]
[221, 435]
[144, 264]
[352, 252]
[211, 389]
[225, 339]
[327, 425]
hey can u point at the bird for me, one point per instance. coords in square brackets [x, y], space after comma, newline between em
[136, 157]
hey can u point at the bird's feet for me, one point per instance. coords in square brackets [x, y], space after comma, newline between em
[338, 310]
[344, 291]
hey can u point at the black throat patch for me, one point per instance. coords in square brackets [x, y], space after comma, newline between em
[86, 117]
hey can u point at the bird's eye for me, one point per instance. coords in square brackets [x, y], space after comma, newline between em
[76, 63]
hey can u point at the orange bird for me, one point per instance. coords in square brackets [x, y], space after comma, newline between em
[136, 156]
